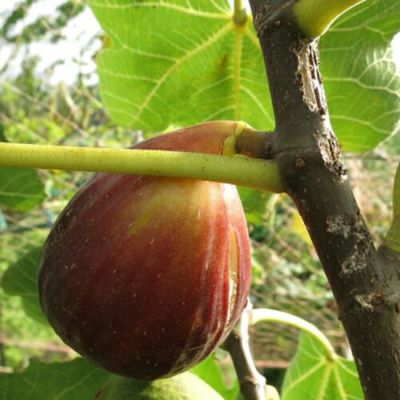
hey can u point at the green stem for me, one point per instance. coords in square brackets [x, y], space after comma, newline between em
[315, 16]
[238, 6]
[239, 170]
[239, 12]
[263, 314]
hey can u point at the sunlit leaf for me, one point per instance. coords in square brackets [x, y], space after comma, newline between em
[361, 79]
[299, 228]
[183, 62]
[179, 62]
[312, 375]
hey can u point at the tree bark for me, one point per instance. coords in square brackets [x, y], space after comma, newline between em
[364, 280]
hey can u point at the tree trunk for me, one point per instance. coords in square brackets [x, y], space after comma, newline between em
[365, 281]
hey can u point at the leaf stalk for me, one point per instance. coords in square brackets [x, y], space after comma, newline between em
[239, 170]
[264, 314]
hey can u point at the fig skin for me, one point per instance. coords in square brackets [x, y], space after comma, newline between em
[145, 276]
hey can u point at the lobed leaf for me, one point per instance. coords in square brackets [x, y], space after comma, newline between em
[20, 279]
[72, 380]
[20, 189]
[312, 376]
[360, 76]
[210, 372]
[183, 62]
[180, 62]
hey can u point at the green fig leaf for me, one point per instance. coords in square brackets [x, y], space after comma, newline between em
[186, 386]
[210, 372]
[254, 204]
[392, 239]
[20, 189]
[360, 76]
[72, 380]
[195, 69]
[312, 376]
[20, 279]
[199, 66]
[3, 222]
[2, 134]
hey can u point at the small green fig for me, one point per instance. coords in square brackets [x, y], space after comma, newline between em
[271, 393]
[186, 386]
[145, 276]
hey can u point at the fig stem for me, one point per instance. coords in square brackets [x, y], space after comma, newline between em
[239, 170]
[255, 144]
[252, 383]
[264, 314]
[315, 16]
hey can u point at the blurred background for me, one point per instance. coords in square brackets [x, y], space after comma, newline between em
[49, 94]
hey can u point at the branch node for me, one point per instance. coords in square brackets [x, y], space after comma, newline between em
[272, 16]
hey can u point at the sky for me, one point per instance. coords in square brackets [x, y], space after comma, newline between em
[77, 33]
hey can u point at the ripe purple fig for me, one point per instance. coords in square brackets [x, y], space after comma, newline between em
[145, 276]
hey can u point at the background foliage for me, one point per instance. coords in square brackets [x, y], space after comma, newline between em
[363, 93]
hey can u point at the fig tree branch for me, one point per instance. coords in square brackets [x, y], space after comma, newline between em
[365, 282]
[238, 169]
[252, 383]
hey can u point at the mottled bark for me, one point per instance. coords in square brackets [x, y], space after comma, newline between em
[364, 280]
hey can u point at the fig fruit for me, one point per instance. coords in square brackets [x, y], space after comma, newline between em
[181, 387]
[145, 276]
